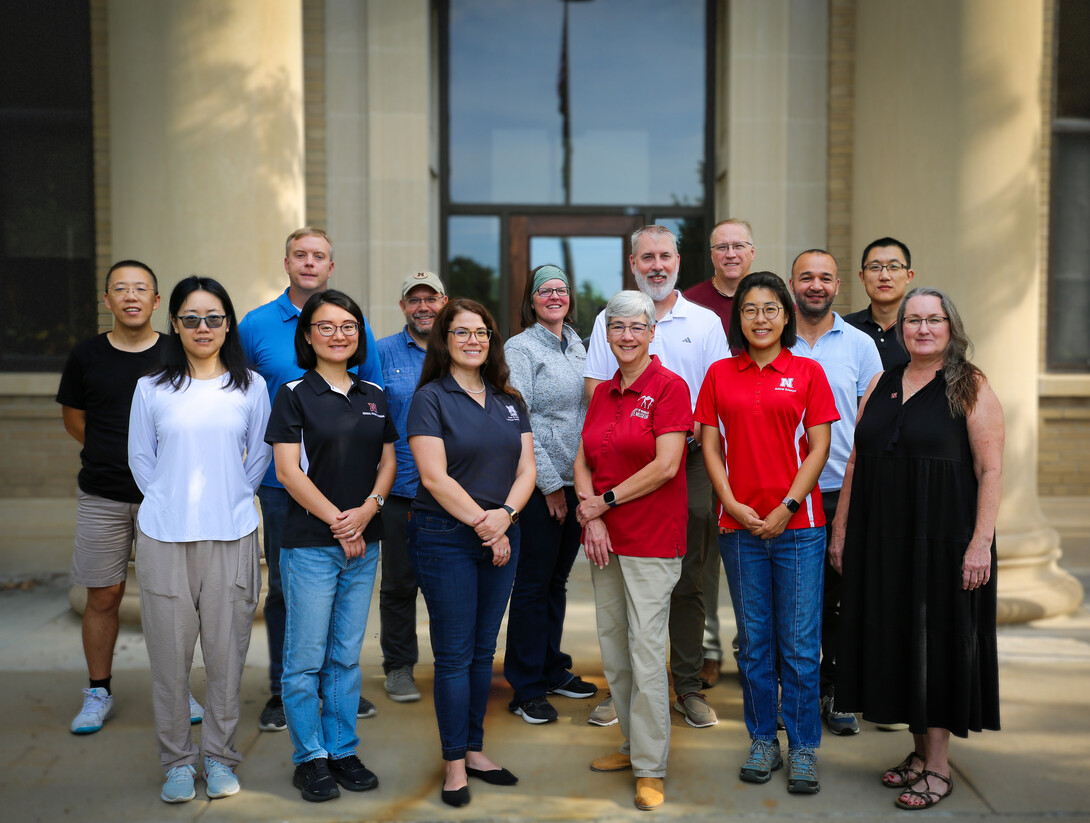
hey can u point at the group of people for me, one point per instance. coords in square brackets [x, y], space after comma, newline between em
[844, 471]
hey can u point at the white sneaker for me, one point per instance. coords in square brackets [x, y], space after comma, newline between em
[219, 779]
[98, 705]
[196, 710]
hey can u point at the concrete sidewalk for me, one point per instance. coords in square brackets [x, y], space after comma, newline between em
[1037, 768]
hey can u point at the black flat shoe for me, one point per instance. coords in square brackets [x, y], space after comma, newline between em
[494, 777]
[456, 797]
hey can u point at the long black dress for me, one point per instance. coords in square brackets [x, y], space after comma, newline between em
[914, 646]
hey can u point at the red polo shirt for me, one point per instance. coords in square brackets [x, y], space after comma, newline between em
[762, 415]
[619, 440]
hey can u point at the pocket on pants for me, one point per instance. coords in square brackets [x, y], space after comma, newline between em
[159, 565]
[247, 585]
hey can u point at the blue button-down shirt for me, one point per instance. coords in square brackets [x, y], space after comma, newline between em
[402, 361]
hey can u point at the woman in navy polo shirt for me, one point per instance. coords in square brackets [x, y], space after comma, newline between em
[470, 436]
[332, 440]
[775, 412]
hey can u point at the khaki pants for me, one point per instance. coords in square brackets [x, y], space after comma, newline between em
[208, 588]
[632, 605]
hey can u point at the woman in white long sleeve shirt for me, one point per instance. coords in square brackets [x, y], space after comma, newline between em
[197, 452]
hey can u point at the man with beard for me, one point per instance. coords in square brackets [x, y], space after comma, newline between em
[850, 360]
[268, 338]
[688, 339]
[422, 297]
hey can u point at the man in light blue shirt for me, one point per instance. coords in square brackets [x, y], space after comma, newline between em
[422, 297]
[268, 338]
[850, 360]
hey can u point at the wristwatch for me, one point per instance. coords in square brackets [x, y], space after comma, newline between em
[791, 503]
[378, 499]
[514, 514]
[610, 498]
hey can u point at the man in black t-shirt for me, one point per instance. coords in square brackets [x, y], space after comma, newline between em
[886, 272]
[95, 394]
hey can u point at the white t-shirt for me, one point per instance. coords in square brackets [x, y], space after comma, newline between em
[198, 455]
[687, 340]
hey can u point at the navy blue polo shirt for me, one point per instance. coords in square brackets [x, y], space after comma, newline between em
[341, 440]
[483, 445]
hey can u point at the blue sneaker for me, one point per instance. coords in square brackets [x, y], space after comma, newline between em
[219, 779]
[98, 705]
[842, 723]
[196, 711]
[178, 787]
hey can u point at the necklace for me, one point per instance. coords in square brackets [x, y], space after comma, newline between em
[474, 391]
[911, 391]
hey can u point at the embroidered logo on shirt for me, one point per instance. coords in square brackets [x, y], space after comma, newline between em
[643, 407]
[686, 340]
[786, 384]
[512, 413]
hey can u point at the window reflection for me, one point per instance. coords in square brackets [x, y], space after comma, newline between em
[594, 266]
[692, 248]
[474, 260]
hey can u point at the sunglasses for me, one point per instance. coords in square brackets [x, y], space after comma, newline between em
[192, 321]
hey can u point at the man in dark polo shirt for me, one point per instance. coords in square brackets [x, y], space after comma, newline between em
[886, 272]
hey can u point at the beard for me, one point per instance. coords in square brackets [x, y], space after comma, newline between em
[656, 293]
[421, 331]
[812, 312]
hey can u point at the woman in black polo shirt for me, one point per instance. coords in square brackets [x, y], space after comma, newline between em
[333, 444]
[470, 436]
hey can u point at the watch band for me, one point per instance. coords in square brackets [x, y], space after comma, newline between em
[792, 504]
[610, 498]
[512, 513]
[378, 499]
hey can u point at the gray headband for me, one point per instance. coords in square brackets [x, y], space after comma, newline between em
[549, 273]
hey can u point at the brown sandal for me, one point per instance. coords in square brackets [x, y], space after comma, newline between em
[929, 795]
[904, 772]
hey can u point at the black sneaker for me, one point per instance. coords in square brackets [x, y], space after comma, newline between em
[366, 708]
[272, 716]
[536, 710]
[352, 774]
[575, 687]
[314, 780]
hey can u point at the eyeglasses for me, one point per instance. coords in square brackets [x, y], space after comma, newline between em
[876, 268]
[618, 329]
[930, 322]
[329, 329]
[770, 310]
[192, 321]
[462, 335]
[545, 293]
[737, 248]
[430, 302]
[121, 291]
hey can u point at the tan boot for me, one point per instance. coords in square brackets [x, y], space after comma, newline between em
[615, 762]
[650, 793]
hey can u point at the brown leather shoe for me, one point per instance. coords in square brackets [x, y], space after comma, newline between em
[709, 674]
[650, 793]
[615, 762]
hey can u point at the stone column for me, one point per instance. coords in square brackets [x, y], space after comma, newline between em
[948, 138]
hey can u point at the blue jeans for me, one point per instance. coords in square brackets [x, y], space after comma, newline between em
[274, 510]
[466, 597]
[776, 589]
[328, 596]
[534, 661]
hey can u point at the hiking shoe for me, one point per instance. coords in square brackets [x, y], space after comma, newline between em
[764, 758]
[98, 705]
[838, 722]
[536, 710]
[272, 716]
[315, 781]
[603, 714]
[352, 774]
[698, 713]
[575, 687]
[401, 686]
[366, 708]
[219, 780]
[802, 771]
[178, 787]
[196, 711]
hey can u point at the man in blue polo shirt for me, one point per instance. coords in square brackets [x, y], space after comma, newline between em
[422, 297]
[268, 337]
[850, 360]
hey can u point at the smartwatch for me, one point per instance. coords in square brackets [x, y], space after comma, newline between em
[610, 498]
[378, 499]
[514, 514]
[792, 504]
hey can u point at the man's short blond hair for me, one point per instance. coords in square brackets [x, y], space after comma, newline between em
[307, 231]
[733, 221]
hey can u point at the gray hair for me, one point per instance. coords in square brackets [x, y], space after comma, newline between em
[654, 231]
[630, 303]
[734, 221]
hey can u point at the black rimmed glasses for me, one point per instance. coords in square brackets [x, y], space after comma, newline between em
[932, 322]
[876, 268]
[330, 329]
[545, 293]
[431, 302]
[193, 321]
[462, 335]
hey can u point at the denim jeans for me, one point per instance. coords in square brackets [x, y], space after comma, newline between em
[466, 597]
[328, 596]
[534, 661]
[274, 509]
[776, 588]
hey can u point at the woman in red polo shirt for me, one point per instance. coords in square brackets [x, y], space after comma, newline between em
[774, 411]
[633, 451]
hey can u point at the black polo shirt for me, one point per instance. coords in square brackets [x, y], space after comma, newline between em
[341, 440]
[483, 445]
[889, 347]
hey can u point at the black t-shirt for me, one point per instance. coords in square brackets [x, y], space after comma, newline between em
[483, 445]
[100, 380]
[341, 439]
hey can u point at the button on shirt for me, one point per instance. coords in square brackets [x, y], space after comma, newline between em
[341, 438]
[619, 440]
[402, 361]
[889, 347]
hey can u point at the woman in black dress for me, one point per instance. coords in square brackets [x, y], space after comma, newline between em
[914, 537]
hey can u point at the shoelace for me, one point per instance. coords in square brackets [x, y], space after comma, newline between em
[92, 701]
[213, 768]
[804, 762]
[760, 754]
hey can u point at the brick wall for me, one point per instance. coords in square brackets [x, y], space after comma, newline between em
[40, 458]
[1063, 468]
